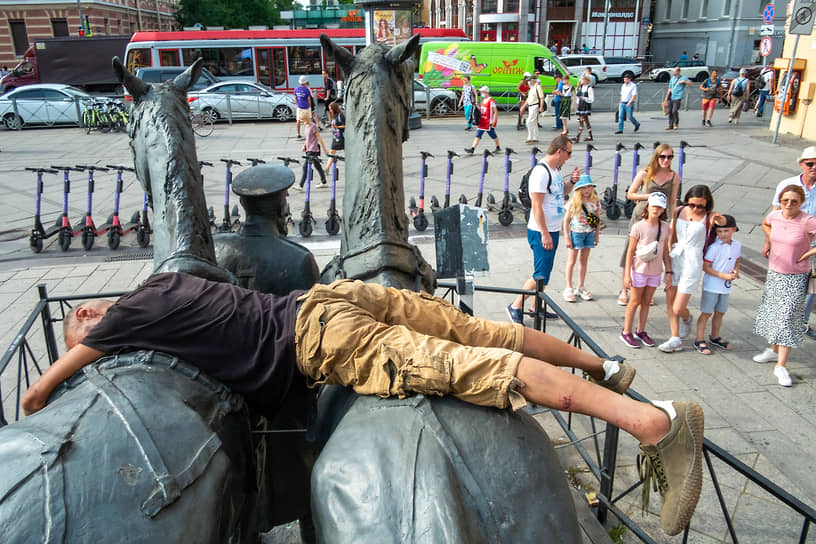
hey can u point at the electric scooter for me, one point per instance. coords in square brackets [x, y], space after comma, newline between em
[89, 232]
[228, 222]
[113, 226]
[38, 233]
[629, 205]
[256, 162]
[66, 232]
[418, 212]
[306, 224]
[681, 162]
[485, 155]
[506, 212]
[333, 221]
[449, 173]
[588, 163]
[610, 198]
[287, 213]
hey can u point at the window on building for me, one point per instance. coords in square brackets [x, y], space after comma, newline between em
[59, 27]
[222, 61]
[106, 24]
[726, 7]
[668, 9]
[304, 60]
[704, 9]
[19, 36]
[684, 11]
[560, 3]
[511, 6]
[490, 6]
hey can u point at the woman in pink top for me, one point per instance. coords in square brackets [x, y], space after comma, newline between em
[780, 316]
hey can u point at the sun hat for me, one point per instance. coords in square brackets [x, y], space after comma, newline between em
[584, 181]
[303, 80]
[527, 75]
[484, 89]
[657, 199]
[808, 153]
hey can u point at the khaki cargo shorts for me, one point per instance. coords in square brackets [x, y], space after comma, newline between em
[389, 342]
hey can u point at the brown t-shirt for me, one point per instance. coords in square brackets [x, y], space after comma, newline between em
[243, 338]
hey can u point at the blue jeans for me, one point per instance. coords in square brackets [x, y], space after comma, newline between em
[763, 96]
[556, 103]
[628, 111]
[467, 114]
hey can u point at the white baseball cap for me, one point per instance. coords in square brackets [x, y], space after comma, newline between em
[303, 80]
[657, 199]
[484, 89]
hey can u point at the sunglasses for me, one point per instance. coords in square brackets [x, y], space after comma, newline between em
[569, 153]
[810, 164]
[791, 201]
[696, 206]
[666, 157]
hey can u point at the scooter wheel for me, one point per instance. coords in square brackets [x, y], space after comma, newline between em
[505, 217]
[333, 225]
[65, 239]
[491, 199]
[420, 222]
[142, 237]
[305, 227]
[462, 199]
[613, 211]
[113, 239]
[608, 197]
[88, 238]
[434, 202]
[36, 243]
[629, 209]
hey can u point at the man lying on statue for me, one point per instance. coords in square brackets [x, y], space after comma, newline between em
[380, 341]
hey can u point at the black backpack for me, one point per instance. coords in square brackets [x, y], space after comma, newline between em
[475, 115]
[524, 186]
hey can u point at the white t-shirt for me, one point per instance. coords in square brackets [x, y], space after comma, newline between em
[628, 91]
[723, 258]
[553, 204]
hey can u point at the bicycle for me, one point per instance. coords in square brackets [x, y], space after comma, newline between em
[202, 124]
[95, 116]
[118, 115]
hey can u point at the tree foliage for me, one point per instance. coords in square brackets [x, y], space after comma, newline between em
[231, 13]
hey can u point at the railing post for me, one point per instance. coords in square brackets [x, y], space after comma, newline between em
[610, 458]
[464, 287]
[229, 109]
[48, 326]
[537, 311]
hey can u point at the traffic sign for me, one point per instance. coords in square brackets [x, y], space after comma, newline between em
[768, 14]
[766, 30]
[802, 18]
[765, 46]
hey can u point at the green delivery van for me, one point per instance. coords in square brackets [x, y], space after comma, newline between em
[499, 65]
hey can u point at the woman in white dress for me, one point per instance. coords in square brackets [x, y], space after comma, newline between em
[690, 236]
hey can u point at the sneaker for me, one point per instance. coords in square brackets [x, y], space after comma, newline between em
[569, 294]
[637, 127]
[671, 345]
[584, 293]
[515, 315]
[620, 381]
[709, 123]
[782, 376]
[669, 128]
[767, 356]
[704, 122]
[676, 127]
[623, 298]
[685, 327]
[468, 128]
[629, 339]
[810, 333]
[645, 339]
[497, 150]
[618, 132]
[469, 150]
[674, 465]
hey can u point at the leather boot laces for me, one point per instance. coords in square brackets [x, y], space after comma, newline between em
[651, 473]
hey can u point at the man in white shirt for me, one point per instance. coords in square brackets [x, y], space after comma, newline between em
[547, 190]
[534, 99]
[628, 94]
[765, 91]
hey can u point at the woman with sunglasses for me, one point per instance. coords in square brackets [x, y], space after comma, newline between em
[657, 177]
[691, 229]
[780, 316]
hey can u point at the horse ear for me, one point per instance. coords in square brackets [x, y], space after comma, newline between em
[135, 86]
[342, 55]
[189, 76]
[404, 50]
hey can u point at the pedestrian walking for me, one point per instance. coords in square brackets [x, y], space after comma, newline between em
[720, 267]
[303, 102]
[523, 89]
[628, 94]
[488, 117]
[585, 95]
[535, 98]
[556, 100]
[738, 93]
[311, 147]
[466, 101]
[712, 94]
[337, 123]
[766, 80]
[565, 105]
[674, 95]
[647, 255]
[582, 223]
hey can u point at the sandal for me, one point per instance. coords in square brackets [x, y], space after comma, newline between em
[702, 347]
[719, 342]
[623, 298]
[569, 294]
[584, 294]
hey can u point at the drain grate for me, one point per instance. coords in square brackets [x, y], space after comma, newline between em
[137, 255]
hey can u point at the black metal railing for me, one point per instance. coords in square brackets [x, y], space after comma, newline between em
[602, 465]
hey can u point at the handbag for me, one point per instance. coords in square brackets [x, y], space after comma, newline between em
[592, 219]
[649, 251]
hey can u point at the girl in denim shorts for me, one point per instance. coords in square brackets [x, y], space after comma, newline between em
[646, 257]
[582, 222]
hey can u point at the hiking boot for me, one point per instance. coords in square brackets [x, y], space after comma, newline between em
[620, 381]
[515, 315]
[674, 465]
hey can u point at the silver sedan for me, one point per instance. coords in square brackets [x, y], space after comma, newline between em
[42, 104]
[242, 100]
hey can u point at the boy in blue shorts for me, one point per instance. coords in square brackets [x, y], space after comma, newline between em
[721, 267]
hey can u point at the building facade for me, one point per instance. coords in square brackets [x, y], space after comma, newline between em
[611, 28]
[22, 22]
[724, 33]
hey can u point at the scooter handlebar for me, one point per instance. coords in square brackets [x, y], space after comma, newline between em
[92, 168]
[619, 146]
[487, 153]
[637, 146]
[452, 154]
[536, 151]
[204, 163]
[256, 162]
[336, 157]
[120, 167]
[590, 148]
[230, 162]
[508, 151]
[67, 168]
[287, 160]
[425, 154]
[43, 170]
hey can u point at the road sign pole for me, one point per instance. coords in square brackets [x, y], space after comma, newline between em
[788, 79]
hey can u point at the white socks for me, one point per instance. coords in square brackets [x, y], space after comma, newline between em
[610, 369]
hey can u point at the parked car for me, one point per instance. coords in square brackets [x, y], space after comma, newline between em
[246, 101]
[577, 64]
[42, 104]
[442, 101]
[696, 70]
[158, 75]
[754, 71]
[618, 67]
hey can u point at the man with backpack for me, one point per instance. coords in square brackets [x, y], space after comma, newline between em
[329, 96]
[765, 83]
[738, 93]
[547, 190]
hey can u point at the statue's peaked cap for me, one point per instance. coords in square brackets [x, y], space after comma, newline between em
[262, 180]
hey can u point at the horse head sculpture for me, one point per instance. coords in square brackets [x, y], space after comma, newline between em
[164, 155]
